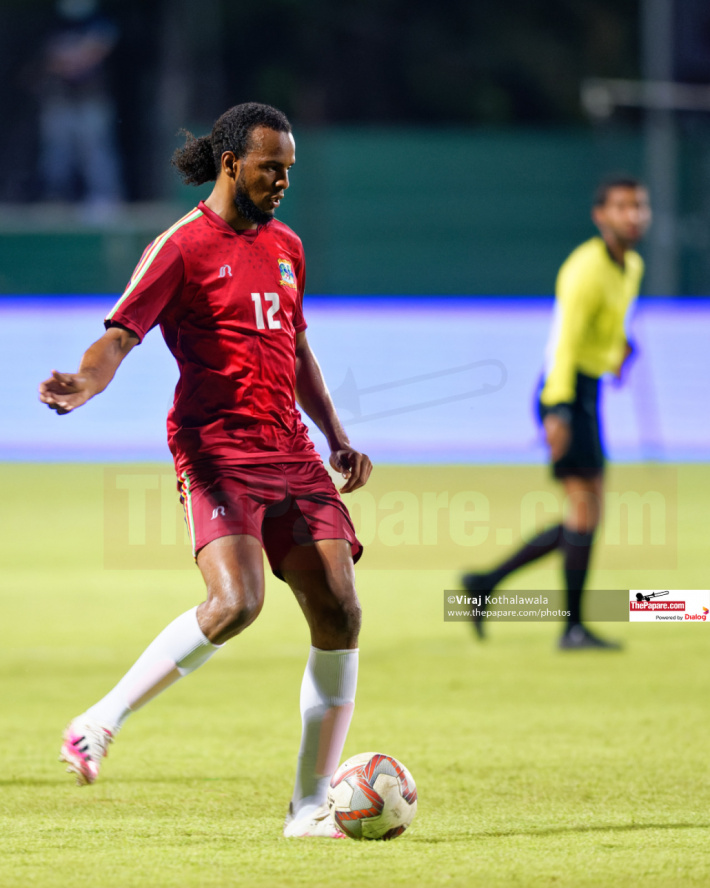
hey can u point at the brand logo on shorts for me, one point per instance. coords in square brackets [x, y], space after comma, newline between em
[225, 270]
[288, 278]
[216, 512]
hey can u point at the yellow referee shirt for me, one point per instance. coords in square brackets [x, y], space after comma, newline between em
[593, 296]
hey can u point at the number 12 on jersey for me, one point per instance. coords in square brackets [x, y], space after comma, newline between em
[273, 300]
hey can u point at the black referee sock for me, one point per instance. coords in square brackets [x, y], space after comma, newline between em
[577, 548]
[542, 544]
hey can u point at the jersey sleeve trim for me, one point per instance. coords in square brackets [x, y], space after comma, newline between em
[149, 257]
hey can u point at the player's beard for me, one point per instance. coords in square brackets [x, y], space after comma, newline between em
[246, 207]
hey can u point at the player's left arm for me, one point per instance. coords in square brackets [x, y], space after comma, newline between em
[313, 396]
[630, 352]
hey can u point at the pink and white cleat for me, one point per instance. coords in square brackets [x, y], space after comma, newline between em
[85, 744]
[311, 824]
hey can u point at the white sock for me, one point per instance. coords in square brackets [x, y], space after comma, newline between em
[327, 702]
[179, 649]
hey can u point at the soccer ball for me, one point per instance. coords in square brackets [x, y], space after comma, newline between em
[372, 796]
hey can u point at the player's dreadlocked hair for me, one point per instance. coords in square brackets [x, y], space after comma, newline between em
[199, 160]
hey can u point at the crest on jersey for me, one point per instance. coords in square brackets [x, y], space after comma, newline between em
[288, 278]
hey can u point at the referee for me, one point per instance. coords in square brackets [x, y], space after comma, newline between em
[596, 287]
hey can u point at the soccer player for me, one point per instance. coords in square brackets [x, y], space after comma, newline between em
[225, 283]
[596, 287]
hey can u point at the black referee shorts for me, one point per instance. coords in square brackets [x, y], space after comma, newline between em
[585, 457]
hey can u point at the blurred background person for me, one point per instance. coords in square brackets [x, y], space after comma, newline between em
[78, 155]
[596, 289]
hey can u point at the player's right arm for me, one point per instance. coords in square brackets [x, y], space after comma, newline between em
[155, 283]
[577, 299]
[65, 392]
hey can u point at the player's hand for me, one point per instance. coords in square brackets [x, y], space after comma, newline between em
[64, 392]
[355, 467]
[558, 435]
[623, 368]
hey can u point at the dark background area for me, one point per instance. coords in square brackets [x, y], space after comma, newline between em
[443, 147]
[376, 62]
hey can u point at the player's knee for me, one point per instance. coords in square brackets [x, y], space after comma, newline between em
[344, 617]
[352, 621]
[230, 609]
[587, 523]
[585, 516]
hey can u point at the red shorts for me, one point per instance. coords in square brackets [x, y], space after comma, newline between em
[282, 505]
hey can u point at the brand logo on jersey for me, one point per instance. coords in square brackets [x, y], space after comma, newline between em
[216, 512]
[288, 278]
[225, 270]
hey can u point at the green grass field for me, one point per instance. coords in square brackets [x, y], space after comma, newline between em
[534, 767]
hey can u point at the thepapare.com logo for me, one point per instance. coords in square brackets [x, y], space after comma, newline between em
[669, 605]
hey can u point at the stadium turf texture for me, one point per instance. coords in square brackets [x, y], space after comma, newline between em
[534, 767]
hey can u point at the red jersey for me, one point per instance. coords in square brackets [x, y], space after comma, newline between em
[229, 305]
